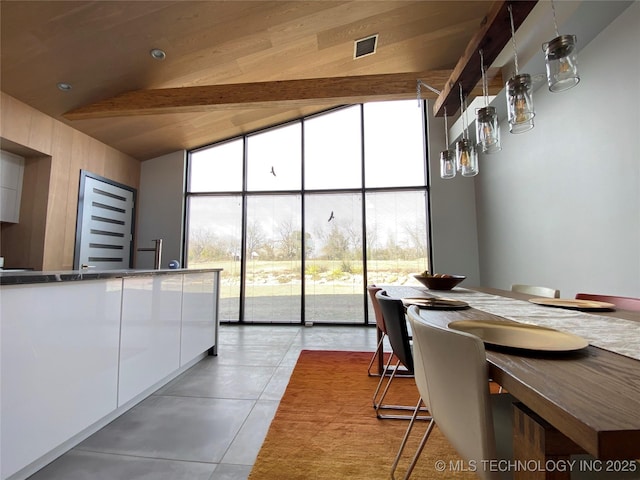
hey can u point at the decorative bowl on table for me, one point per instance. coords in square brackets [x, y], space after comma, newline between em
[439, 281]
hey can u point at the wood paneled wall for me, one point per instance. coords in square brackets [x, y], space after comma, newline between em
[55, 153]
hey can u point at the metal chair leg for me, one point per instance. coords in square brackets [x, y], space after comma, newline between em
[423, 442]
[384, 373]
[378, 351]
[405, 438]
[380, 406]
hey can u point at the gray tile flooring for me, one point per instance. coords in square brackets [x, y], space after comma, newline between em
[208, 423]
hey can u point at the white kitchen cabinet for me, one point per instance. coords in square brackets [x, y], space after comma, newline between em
[59, 364]
[199, 315]
[150, 338]
[11, 173]
[77, 351]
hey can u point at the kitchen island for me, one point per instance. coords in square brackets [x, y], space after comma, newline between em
[79, 348]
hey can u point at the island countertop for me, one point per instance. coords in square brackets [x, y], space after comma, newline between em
[27, 277]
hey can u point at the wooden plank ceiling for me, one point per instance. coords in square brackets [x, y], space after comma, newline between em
[293, 57]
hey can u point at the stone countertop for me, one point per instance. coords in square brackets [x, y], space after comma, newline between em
[30, 277]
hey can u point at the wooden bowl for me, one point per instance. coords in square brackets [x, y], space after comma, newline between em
[440, 283]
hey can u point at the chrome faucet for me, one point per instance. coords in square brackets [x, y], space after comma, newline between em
[158, 253]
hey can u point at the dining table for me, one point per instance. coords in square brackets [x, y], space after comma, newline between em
[580, 401]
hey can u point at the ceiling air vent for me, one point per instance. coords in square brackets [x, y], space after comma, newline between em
[365, 46]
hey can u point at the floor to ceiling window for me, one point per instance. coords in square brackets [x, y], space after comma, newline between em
[303, 216]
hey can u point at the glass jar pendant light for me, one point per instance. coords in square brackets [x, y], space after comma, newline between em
[447, 164]
[466, 153]
[488, 130]
[467, 157]
[447, 158]
[520, 103]
[561, 59]
[487, 126]
[519, 90]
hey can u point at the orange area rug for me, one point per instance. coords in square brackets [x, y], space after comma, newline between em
[326, 427]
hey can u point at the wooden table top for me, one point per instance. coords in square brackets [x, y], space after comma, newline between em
[592, 395]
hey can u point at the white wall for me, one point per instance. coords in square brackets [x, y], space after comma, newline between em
[454, 241]
[160, 206]
[560, 205]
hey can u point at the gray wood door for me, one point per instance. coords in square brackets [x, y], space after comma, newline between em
[104, 231]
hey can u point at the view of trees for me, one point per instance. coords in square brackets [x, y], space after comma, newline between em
[207, 246]
[341, 242]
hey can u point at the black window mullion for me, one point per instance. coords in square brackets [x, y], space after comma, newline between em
[363, 202]
[243, 241]
[303, 230]
[427, 177]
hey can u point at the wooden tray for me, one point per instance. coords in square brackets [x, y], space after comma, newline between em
[435, 303]
[520, 335]
[574, 304]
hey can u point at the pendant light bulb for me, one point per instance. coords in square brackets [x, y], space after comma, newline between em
[464, 155]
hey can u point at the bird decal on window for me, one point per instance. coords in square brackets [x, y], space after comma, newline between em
[331, 217]
[273, 171]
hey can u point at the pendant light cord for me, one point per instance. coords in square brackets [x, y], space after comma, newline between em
[555, 22]
[484, 80]
[446, 130]
[463, 113]
[513, 38]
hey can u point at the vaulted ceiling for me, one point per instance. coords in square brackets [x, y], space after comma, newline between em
[101, 48]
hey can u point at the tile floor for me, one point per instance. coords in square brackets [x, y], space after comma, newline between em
[208, 423]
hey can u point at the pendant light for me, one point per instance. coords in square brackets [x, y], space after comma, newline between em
[487, 126]
[447, 158]
[561, 59]
[466, 154]
[519, 90]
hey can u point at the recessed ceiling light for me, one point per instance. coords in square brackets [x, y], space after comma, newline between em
[65, 87]
[158, 54]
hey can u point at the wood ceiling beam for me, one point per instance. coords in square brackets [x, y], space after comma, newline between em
[284, 93]
[492, 37]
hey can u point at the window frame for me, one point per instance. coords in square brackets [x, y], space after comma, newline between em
[362, 190]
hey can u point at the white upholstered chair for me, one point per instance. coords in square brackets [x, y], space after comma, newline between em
[455, 368]
[536, 290]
